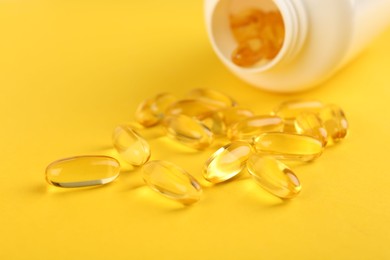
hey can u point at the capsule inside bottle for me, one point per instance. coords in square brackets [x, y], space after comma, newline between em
[82, 171]
[259, 35]
[274, 176]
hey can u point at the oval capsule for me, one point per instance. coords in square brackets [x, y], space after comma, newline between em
[289, 110]
[171, 181]
[214, 122]
[191, 107]
[227, 162]
[82, 171]
[289, 146]
[233, 115]
[249, 128]
[188, 131]
[133, 148]
[335, 123]
[212, 96]
[274, 176]
[151, 111]
[311, 125]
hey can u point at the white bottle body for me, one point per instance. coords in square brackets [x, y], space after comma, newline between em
[321, 36]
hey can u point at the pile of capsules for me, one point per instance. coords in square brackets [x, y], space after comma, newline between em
[258, 144]
[259, 36]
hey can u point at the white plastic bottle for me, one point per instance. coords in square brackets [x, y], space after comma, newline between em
[320, 37]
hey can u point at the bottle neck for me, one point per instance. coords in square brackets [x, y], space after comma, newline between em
[295, 27]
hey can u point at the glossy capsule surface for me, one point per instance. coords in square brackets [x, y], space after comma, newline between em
[132, 148]
[151, 111]
[289, 110]
[212, 96]
[220, 120]
[191, 107]
[233, 115]
[335, 123]
[289, 146]
[171, 181]
[214, 122]
[248, 129]
[227, 162]
[259, 34]
[274, 176]
[310, 124]
[188, 131]
[82, 171]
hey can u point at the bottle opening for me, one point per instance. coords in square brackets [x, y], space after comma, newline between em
[248, 34]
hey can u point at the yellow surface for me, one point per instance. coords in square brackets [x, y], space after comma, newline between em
[70, 71]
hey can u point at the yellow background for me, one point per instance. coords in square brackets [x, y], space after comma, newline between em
[70, 71]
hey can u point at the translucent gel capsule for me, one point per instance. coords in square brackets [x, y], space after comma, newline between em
[247, 24]
[289, 146]
[171, 181]
[274, 176]
[191, 107]
[188, 131]
[259, 35]
[214, 122]
[133, 148]
[249, 53]
[227, 162]
[289, 110]
[151, 111]
[248, 129]
[311, 125]
[234, 114]
[212, 96]
[273, 34]
[335, 123]
[82, 171]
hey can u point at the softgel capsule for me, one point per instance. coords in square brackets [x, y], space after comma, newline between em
[261, 144]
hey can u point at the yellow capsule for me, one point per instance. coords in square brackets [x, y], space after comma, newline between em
[274, 176]
[289, 146]
[133, 148]
[171, 181]
[259, 35]
[335, 123]
[227, 162]
[214, 122]
[289, 110]
[188, 131]
[233, 115]
[82, 171]
[212, 96]
[191, 107]
[247, 24]
[248, 129]
[151, 111]
[311, 125]
[249, 53]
